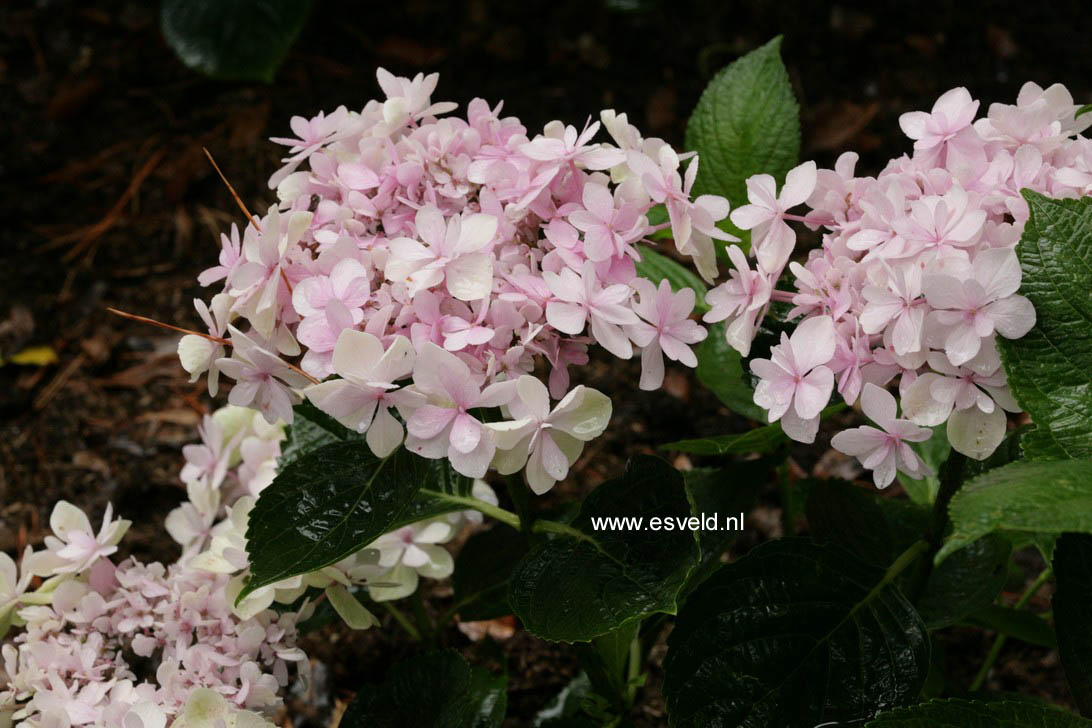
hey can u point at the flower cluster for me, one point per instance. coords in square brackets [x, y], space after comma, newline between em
[916, 276]
[429, 263]
[87, 629]
[91, 629]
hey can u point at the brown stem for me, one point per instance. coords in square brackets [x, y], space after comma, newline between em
[153, 322]
[231, 189]
[217, 339]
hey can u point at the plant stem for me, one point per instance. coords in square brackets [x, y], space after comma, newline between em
[544, 526]
[905, 559]
[402, 620]
[507, 517]
[518, 492]
[424, 623]
[495, 512]
[999, 640]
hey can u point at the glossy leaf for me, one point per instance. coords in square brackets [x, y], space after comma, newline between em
[1022, 497]
[746, 122]
[238, 40]
[326, 505]
[1050, 369]
[437, 689]
[657, 267]
[311, 429]
[482, 570]
[574, 588]
[721, 369]
[439, 477]
[793, 634]
[1072, 604]
[956, 713]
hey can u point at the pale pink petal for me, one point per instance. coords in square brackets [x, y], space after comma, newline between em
[568, 318]
[813, 392]
[1012, 317]
[878, 404]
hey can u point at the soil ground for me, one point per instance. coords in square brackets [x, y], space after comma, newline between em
[106, 200]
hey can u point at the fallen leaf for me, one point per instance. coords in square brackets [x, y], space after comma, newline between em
[499, 629]
[33, 356]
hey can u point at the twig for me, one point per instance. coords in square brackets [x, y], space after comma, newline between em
[231, 189]
[96, 231]
[153, 322]
[217, 339]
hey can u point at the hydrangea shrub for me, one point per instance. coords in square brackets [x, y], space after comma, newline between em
[400, 329]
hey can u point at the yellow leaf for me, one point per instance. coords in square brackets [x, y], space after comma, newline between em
[38, 356]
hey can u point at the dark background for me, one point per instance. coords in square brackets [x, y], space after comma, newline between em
[106, 200]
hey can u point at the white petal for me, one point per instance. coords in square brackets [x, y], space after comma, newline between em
[798, 429]
[356, 354]
[583, 413]
[975, 433]
[470, 277]
[920, 407]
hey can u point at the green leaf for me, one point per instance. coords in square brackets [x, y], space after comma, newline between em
[722, 493]
[482, 570]
[875, 528]
[573, 588]
[794, 634]
[1050, 369]
[442, 478]
[1017, 623]
[658, 267]
[1072, 603]
[955, 713]
[434, 690]
[311, 429]
[746, 122]
[1022, 497]
[1083, 110]
[966, 582]
[326, 505]
[238, 40]
[934, 452]
[720, 368]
